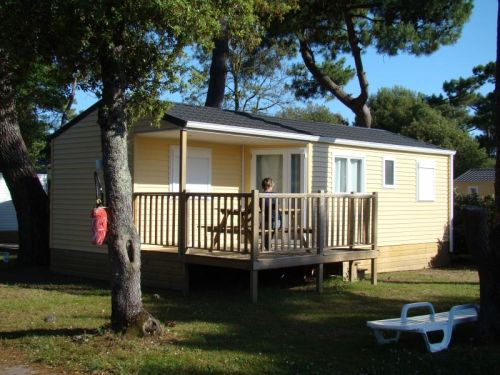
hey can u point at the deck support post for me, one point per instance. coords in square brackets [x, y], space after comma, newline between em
[321, 223]
[319, 278]
[374, 238]
[182, 243]
[321, 235]
[352, 271]
[254, 285]
[185, 286]
[254, 255]
[374, 271]
[182, 160]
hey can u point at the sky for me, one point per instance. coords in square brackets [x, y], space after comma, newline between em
[424, 74]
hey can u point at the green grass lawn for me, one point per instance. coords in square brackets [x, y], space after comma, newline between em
[292, 330]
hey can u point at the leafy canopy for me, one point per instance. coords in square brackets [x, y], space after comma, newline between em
[39, 82]
[329, 30]
[403, 111]
[141, 40]
[466, 101]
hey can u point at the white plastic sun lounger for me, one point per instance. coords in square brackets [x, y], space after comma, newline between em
[444, 321]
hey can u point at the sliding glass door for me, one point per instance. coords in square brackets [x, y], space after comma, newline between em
[285, 166]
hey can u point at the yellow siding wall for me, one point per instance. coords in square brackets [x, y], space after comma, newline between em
[407, 229]
[74, 153]
[485, 188]
[151, 165]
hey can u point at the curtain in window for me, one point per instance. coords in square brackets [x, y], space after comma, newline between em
[296, 173]
[356, 176]
[340, 175]
[270, 166]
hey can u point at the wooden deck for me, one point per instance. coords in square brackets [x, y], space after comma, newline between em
[258, 232]
[270, 260]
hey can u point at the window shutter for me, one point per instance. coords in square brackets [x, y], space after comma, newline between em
[425, 180]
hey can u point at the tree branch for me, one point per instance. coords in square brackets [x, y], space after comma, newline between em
[356, 54]
[368, 18]
[71, 99]
[323, 79]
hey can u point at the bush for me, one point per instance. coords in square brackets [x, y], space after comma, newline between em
[461, 201]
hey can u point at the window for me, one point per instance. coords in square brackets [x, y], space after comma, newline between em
[199, 168]
[473, 190]
[425, 180]
[389, 173]
[285, 166]
[270, 166]
[349, 175]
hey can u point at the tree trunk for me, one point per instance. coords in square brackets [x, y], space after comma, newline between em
[363, 117]
[127, 312]
[497, 123]
[485, 250]
[29, 198]
[218, 73]
[356, 105]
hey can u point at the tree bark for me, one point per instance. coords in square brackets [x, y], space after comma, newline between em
[127, 311]
[356, 105]
[218, 73]
[29, 198]
[363, 115]
[485, 249]
[497, 123]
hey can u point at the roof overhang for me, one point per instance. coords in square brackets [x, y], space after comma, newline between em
[386, 146]
[250, 131]
[310, 138]
[273, 134]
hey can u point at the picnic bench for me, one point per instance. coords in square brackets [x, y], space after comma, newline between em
[423, 324]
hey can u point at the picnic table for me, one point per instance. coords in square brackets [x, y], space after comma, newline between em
[243, 227]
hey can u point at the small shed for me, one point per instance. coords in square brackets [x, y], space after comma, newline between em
[478, 181]
[8, 218]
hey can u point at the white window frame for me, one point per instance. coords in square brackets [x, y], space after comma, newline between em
[470, 188]
[287, 164]
[349, 157]
[426, 164]
[191, 151]
[387, 186]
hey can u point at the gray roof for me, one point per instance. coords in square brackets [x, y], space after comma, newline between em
[477, 175]
[182, 113]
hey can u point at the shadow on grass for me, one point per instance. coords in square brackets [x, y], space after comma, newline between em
[424, 282]
[291, 330]
[33, 277]
[303, 332]
[47, 332]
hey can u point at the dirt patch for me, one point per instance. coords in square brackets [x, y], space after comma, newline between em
[17, 370]
[14, 362]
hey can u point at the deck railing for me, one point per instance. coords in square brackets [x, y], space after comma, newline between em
[218, 221]
[157, 218]
[257, 222]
